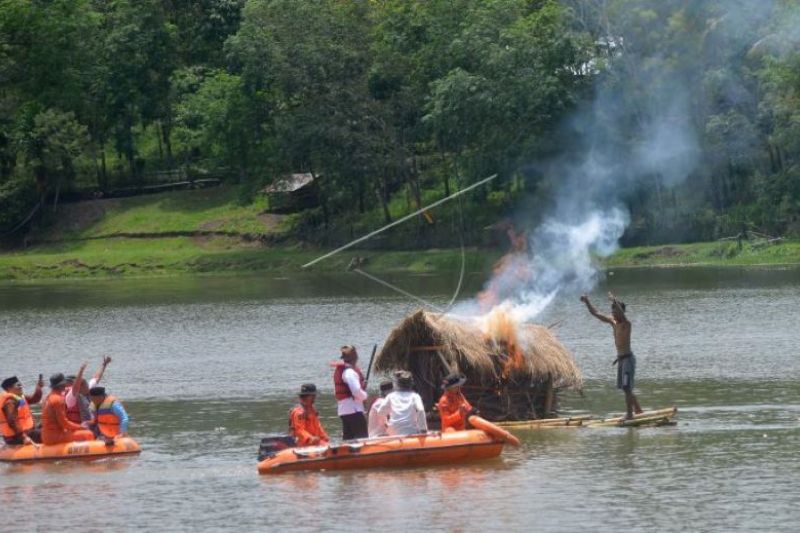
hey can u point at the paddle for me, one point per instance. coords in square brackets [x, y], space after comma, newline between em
[369, 367]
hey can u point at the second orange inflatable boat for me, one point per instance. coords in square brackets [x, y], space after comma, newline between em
[412, 450]
[91, 449]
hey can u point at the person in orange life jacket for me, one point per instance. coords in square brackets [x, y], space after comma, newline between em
[56, 428]
[111, 419]
[378, 425]
[304, 423]
[349, 385]
[453, 407]
[16, 421]
[77, 393]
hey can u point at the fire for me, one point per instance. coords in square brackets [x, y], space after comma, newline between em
[512, 271]
[500, 328]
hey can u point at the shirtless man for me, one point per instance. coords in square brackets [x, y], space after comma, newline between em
[625, 361]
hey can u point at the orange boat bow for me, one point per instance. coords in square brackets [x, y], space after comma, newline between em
[493, 430]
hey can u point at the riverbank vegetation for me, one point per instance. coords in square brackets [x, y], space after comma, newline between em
[388, 106]
[209, 231]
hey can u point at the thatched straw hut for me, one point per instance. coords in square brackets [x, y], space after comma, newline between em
[509, 376]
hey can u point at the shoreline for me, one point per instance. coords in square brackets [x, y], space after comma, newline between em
[177, 256]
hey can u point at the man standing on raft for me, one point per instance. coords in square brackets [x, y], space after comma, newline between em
[625, 361]
[349, 385]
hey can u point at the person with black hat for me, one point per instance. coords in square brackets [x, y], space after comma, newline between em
[110, 418]
[453, 407]
[16, 421]
[378, 425]
[56, 428]
[304, 424]
[404, 407]
[348, 387]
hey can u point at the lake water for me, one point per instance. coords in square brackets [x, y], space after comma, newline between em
[206, 365]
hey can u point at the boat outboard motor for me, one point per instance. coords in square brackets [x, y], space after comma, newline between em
[272, 444]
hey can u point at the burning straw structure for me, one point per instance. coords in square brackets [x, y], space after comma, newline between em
[513, 370]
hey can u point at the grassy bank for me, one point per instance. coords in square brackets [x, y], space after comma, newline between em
[186, 255]
[209, 231]
[720, 253]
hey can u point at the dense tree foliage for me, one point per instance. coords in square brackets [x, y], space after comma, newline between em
[403, 101]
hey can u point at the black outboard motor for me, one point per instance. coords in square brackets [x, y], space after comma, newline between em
[272, 444]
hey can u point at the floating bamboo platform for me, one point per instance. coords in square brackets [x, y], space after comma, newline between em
[659, 417]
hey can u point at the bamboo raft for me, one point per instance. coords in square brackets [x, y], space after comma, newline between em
[659, 417]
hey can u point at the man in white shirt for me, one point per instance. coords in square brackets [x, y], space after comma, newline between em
[404, 407]
[349, 385]
[378, 425]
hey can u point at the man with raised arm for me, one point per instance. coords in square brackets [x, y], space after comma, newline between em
[625, 361]
[76, 394]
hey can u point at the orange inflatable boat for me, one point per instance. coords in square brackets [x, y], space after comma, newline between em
[92, 449]
[411, 450]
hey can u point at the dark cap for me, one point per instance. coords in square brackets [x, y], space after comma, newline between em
[97, 391]
[308, 389]
[404, 379]
[454, 380]
[10, 382]
[70, 378]
[386, 385]
[57, 380]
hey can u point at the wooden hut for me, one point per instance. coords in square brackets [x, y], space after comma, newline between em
[513, 372]
[294, 192]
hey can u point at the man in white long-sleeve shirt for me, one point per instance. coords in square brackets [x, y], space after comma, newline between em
[377, 424]
[404, 407]
[349, 385]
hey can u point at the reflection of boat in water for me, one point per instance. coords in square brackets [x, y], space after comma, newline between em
[400, 451]
[92, 449]
[659, 417]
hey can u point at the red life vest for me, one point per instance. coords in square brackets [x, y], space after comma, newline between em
[24, 417]
[340, 389]
[74, 411]
[107, 420]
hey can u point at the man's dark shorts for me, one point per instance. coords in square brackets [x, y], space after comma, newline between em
[626, 369]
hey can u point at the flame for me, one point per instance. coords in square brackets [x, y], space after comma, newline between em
[502, 329]
[511, 271]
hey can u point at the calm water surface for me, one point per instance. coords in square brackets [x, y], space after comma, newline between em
[206, 365]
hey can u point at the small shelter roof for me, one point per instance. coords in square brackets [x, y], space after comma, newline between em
[290, 183]
[466, 347]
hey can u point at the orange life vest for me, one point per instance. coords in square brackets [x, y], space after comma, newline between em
[24, 417]
[107, 420]
[340, 388]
